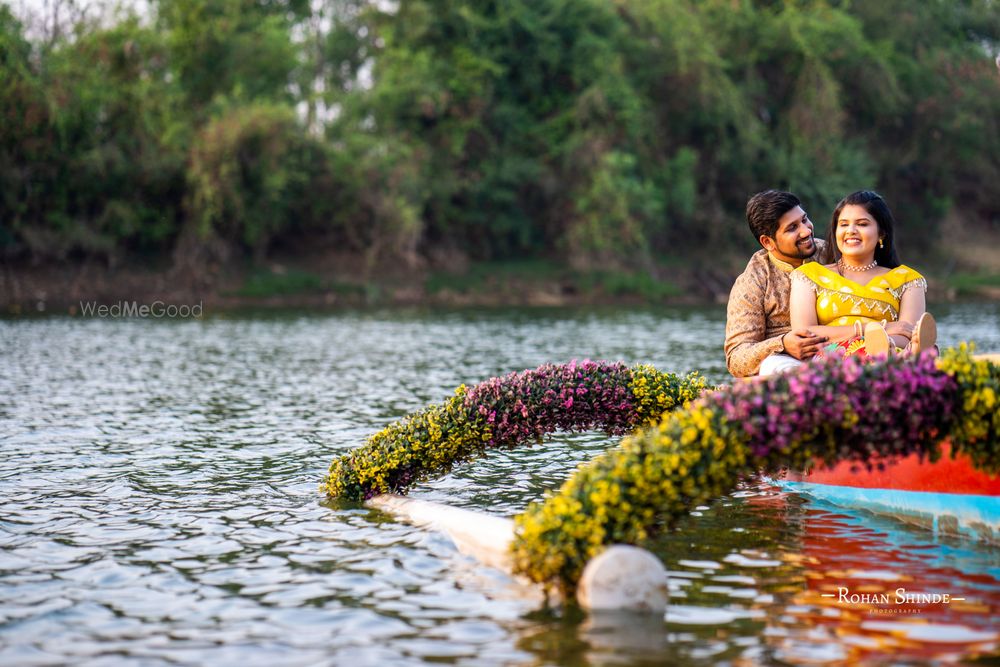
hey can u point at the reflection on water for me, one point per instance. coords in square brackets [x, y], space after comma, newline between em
[159, 482]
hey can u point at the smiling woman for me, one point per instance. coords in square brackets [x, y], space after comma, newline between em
[850, 299]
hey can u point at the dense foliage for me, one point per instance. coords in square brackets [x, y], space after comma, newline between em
[601, 133]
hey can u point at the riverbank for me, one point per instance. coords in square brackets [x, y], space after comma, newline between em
[345, 281]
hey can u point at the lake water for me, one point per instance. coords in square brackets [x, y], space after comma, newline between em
[160, 506]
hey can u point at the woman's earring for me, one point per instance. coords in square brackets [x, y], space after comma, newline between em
[880, 243]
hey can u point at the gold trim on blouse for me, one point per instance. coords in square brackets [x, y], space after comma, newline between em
[840, 300]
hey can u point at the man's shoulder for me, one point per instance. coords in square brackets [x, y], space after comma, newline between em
[752, 283]
[822, 254]
[757, 268]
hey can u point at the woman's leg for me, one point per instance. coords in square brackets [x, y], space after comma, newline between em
[924, 334]
[877, 341]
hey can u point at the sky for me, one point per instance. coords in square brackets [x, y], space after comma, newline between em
[40, 16]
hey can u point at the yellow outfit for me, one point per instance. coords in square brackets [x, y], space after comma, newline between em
[841, 301]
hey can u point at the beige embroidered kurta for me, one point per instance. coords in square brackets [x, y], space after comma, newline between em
[757, 314]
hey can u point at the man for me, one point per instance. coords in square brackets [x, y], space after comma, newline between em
[759, 339]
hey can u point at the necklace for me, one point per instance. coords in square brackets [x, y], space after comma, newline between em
[856, 269]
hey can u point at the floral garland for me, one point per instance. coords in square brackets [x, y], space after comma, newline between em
[832, 409]
[506, 412]
[977, 432]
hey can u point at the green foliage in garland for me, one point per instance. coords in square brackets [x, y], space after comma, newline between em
[655, 393]
[427, 442]
[627, 493]
[977, 433]
[831, 410]
[517, 409]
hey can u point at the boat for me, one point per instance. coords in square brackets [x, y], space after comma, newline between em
[948, 496]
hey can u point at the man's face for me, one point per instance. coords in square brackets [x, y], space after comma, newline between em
[793, 242]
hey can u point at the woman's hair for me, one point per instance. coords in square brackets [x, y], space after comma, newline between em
[877, 208]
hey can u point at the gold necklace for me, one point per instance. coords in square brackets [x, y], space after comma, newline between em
[856, 269]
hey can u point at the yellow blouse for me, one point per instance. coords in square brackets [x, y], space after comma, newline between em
[841, 301]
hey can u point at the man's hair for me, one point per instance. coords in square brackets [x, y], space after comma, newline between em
[765, 209]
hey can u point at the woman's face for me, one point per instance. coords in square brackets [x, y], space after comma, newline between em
[857, 234]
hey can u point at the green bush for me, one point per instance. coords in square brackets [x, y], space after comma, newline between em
[603, 134]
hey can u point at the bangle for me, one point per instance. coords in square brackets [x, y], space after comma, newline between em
[782, 339]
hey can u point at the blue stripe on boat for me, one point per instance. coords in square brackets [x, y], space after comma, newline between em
[977, 517]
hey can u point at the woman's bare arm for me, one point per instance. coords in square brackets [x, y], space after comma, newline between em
[802, 311]
[912, 305]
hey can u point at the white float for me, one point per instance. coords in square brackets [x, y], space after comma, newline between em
[620, 578]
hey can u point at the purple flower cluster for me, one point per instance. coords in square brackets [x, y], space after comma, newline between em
[840, 408]
[524, 406]
[908, 408]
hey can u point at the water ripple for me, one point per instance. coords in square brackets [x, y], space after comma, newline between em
[160, 505]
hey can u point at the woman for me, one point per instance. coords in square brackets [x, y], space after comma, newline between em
[851, 299]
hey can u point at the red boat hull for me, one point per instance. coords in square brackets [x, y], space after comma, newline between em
[947, 496]
[946, 475]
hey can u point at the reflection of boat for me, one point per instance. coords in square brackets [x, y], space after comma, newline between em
[874, 562]
[947, 496]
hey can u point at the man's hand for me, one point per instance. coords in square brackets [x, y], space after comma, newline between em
[802, 344]
[899, 328]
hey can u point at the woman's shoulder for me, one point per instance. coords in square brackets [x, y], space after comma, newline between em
[902, 274]
[813, 275]
[814, 269]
